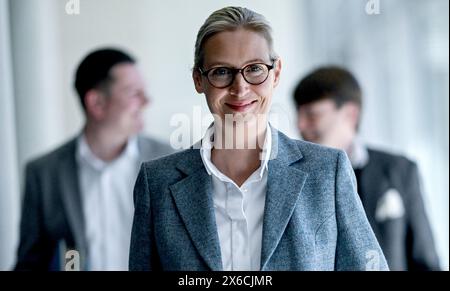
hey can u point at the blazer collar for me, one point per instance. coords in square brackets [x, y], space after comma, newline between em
[284, 185]
[71, 198]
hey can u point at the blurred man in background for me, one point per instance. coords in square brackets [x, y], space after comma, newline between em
[329, 102]
[79, 196]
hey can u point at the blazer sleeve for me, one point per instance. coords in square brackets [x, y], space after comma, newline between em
[35, 248]
[357, 248]
[142, 248]
[421, 250]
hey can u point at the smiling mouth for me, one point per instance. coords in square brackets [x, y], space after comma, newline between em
[241, 106]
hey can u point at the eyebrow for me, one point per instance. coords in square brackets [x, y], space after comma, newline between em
[225, 64]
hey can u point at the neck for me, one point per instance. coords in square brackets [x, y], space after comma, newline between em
[106, 144]
[349, 147]
[238, 163]
[240, 134]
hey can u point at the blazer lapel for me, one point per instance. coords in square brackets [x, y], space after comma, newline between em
[284, 185]
[71, 199]
[193, 199]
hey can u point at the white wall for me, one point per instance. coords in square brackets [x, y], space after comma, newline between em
[36, 73]
[9, 174]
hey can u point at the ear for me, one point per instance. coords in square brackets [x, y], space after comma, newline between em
[277, 72]
[352, 112]
[198, 82]
[95, 103]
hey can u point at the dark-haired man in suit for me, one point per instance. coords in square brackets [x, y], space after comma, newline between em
[328, 103]
[79, 196]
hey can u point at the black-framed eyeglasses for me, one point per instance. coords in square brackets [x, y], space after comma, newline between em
[222, 77]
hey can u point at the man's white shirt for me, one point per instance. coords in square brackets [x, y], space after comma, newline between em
[107, 201]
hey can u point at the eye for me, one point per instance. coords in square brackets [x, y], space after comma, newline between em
[220, 72]
[254, 69]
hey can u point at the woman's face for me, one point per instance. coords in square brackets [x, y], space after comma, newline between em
[237, 49]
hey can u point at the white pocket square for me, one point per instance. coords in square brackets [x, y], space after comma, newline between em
[390, 206]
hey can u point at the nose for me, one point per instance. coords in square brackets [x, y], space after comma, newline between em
[302, 123]
[239, 87]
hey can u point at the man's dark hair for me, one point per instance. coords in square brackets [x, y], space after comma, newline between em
[94, 70]
[330, 82]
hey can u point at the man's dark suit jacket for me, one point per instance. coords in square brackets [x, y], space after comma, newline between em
[406, 240]
[52, 208]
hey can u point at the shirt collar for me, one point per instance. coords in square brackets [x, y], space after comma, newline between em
[358, 154]
[84, 153]
[207, 145]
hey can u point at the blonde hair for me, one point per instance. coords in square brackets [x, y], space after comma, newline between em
[230, 19]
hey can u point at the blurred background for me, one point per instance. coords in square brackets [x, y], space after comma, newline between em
[399, 51]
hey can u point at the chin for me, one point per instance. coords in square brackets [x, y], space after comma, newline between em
[139, 124]
[138, 128]
[305, 138]
[134, 130]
